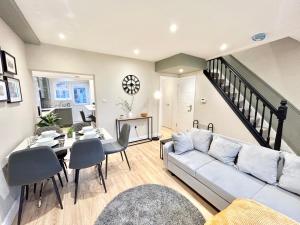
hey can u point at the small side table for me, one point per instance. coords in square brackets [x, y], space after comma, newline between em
[162, 143]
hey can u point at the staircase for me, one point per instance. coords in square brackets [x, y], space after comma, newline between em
[262, 119]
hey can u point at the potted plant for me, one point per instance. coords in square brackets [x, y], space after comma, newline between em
[49, 120]
[70, 132]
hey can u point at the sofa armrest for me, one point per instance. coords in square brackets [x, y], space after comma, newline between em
[168, 147]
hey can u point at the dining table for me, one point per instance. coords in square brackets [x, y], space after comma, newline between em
[63, 142]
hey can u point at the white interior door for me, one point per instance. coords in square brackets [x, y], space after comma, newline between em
[185, 102]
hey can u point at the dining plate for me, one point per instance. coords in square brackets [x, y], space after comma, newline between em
[52, 144]
[89, 137]
[54, 135]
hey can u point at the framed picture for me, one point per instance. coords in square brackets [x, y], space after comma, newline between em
[3, 91]
[14, 93]
[1, 64]
[9, 63]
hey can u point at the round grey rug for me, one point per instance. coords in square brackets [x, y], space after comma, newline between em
[150, 204]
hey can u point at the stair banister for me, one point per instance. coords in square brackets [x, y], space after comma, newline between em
[216, 79]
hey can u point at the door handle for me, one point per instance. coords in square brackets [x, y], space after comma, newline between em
[190, 108]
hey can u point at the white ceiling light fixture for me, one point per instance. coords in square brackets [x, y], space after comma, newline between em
[61, 36]
[136, 51]
[181, 70]
[223, 47]
[173, 28]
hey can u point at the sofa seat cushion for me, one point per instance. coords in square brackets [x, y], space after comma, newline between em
[190, 161]
[280, 200]
[228, 182]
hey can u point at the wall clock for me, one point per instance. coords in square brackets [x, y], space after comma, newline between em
[131, 84]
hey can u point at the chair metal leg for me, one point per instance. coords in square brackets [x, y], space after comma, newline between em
[34, 188]
[60, 180]
[127, 160]
[57, 192]
[76, 184]
[40, 195]
[101, 176]
[64, 166]
[21, 204]
[106, 162]
[122, 156]
[26, 192]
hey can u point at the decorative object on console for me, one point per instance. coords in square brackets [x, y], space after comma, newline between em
[14, 93]
[126, 106]
[131, 84]
[3, 91]
[144, 114]
[9, 63]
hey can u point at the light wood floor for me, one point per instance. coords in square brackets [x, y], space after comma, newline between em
[147, 168]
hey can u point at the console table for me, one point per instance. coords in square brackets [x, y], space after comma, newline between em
[149, 121]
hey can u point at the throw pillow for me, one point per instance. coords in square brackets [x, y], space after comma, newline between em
[201, 139]
[260, 162]
[182, 142]
[224, 150]
[290, 178]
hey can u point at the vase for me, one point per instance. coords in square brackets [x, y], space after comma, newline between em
[129, 115]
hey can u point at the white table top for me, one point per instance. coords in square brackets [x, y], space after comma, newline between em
[68, 142]
[90, 107]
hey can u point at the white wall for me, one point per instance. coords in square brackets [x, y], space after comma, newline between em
[16, 120]
[278, 64]
[168, 86]
[109, 72]
[217, 111]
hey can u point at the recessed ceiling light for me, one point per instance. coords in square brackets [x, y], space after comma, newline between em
[181, 70]
[173, 28]
[223, 47]
[259, 37]
[136, 51]
[61, 36]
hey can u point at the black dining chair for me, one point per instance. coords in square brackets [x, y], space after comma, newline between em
[89, 119]
[84, 154]
[119, 146]
[60, 154]
[30, 166]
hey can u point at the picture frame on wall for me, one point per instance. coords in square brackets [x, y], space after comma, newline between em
[14, 93]
[3, 91]
[9, 63]
[1, 64]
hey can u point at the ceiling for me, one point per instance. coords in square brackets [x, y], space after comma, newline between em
[119, 26]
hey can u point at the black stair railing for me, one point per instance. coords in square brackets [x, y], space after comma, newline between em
[258, 116]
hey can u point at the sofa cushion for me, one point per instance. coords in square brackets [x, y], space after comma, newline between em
[201, 139]
[224, 149]
[280, 200]
[260, 162]
[182, 142]
[290, 178]
[190, 161]
[228, 182]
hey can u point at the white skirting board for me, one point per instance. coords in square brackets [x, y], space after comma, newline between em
[9, 219]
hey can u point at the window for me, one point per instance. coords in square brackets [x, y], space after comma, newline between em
[80, 95]
[62, 90]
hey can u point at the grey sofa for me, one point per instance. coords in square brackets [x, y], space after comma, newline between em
[220, 183]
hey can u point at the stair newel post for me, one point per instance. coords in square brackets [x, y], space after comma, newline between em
[217, 73]
[281, 115]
